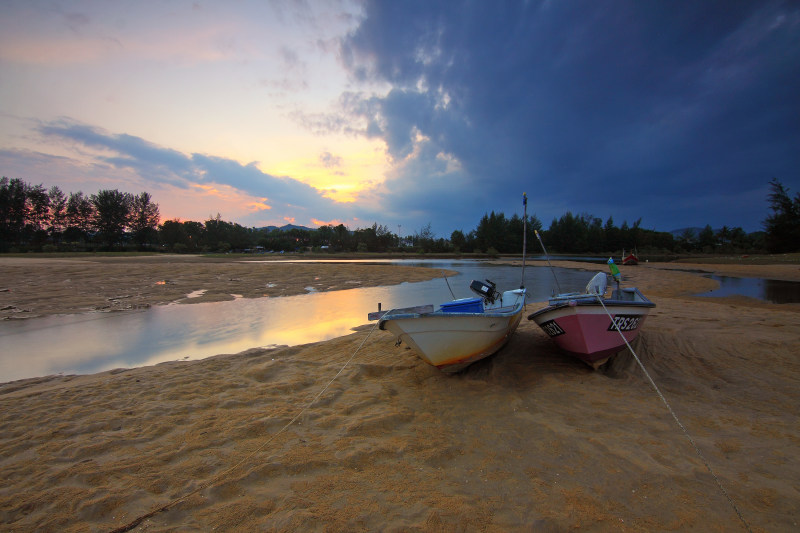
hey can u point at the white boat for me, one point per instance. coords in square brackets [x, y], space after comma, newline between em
[460, 332]
[590, 325]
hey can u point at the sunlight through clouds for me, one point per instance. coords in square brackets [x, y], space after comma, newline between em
[342, 178]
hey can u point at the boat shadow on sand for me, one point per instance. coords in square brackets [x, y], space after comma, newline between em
[530, 354]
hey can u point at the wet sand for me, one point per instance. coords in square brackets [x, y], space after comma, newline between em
[32, 287]
[527, 440]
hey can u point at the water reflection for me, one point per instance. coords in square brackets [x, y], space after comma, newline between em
[92, 343]
[771, 290]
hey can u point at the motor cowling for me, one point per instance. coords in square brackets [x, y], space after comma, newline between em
[487, 290]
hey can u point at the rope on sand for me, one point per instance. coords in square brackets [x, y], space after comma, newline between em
[677, 420]
[219, 477]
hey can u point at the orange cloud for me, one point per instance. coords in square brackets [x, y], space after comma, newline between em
[229, 194]
[257, 206]
[204, 200]
[334, 222]
[352, 223]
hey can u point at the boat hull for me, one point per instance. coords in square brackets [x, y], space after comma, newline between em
[585, 330]
[452, 341]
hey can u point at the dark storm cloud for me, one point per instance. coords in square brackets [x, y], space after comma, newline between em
[632, 109]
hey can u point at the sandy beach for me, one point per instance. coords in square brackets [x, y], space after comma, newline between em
[357, 434]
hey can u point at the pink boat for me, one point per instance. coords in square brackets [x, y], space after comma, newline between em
[579, 323]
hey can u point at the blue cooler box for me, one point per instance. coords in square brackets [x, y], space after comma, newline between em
[464, 305]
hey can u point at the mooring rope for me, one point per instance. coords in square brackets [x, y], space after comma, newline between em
[216, 479]
[677, 420]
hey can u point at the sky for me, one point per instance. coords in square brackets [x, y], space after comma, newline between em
[408, 113]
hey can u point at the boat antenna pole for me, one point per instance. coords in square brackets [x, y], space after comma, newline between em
[548, 259]
[524, 236]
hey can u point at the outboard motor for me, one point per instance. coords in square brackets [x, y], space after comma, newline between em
[487, 291]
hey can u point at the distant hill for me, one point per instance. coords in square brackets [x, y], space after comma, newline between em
[676, 233]
[287, 227]
[695, 231]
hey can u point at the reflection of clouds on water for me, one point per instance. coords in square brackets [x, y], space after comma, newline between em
[55, 345]
[93, 343]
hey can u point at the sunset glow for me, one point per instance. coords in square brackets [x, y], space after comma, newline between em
[339, 175]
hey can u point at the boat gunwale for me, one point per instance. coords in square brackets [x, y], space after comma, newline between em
[502, 312]
[590, 300]
[496, 313]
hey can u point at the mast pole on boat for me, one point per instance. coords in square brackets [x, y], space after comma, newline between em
[524, 236]
[548, 259]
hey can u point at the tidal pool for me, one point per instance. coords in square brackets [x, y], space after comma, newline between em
[770, 290]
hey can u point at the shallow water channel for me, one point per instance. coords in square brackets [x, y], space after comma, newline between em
[770, 290]
[89, 343]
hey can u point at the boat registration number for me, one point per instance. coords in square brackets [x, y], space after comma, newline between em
[551, 328]
[625, 323]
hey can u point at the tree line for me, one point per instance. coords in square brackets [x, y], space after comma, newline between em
[782, 226]
[33, 218]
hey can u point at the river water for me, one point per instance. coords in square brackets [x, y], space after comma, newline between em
[94, 342]
[89, 343]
